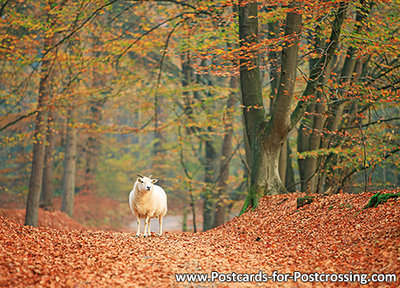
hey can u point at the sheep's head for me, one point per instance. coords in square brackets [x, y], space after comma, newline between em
[145, 183]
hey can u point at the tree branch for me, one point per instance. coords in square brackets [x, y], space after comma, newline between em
[79, 27]
[148, 32]
[319, 68]
[18, 119]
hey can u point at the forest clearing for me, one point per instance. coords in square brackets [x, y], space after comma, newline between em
[331, 235]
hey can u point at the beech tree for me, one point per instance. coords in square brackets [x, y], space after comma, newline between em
[266, 138]
[41, 125]
[69, 168]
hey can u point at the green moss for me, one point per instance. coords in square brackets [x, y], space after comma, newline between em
[379, 198]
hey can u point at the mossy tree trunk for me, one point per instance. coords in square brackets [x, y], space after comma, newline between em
[266, 138]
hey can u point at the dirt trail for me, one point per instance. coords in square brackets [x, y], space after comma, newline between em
[170, 223]
[327, 236]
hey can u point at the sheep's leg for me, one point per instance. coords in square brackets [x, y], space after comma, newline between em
[149, 232]
[146, 226]
[160, 218]
[138, 226]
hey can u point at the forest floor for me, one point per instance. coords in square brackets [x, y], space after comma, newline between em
[331, 235]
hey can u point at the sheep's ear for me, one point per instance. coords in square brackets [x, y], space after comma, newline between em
[140, 175]
[140, 180]
[154, 181]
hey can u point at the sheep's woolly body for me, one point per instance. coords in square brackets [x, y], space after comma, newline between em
[148, 204]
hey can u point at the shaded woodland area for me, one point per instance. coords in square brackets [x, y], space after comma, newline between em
[222, 101]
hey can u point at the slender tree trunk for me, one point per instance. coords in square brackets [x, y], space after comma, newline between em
[47, 189]
[209, 179]
[158, 141]
[283, 157]
[303, 143]
[184, 219]
[335, 113]
[273, 58]
[290, 183]
[35, 181]
[187, 78]
[158, 137]
[312, 180]
[318, 70]
[69, 168]
[317, 77]
[193, 207]
[222, 185]
[314, 139]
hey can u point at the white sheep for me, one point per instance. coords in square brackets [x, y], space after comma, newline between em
[148, 201]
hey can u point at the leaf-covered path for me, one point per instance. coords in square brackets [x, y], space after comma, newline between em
[330, 235]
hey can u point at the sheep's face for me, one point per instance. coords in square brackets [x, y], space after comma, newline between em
[145, 183]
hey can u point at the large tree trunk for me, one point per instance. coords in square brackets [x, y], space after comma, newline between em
[250, 86]
[266, 139]
[47, 189]
[250, 82]
[277, 129]
[273, 59]
[265, 172]
[35, 181]
[69, 168]
[222, 185]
